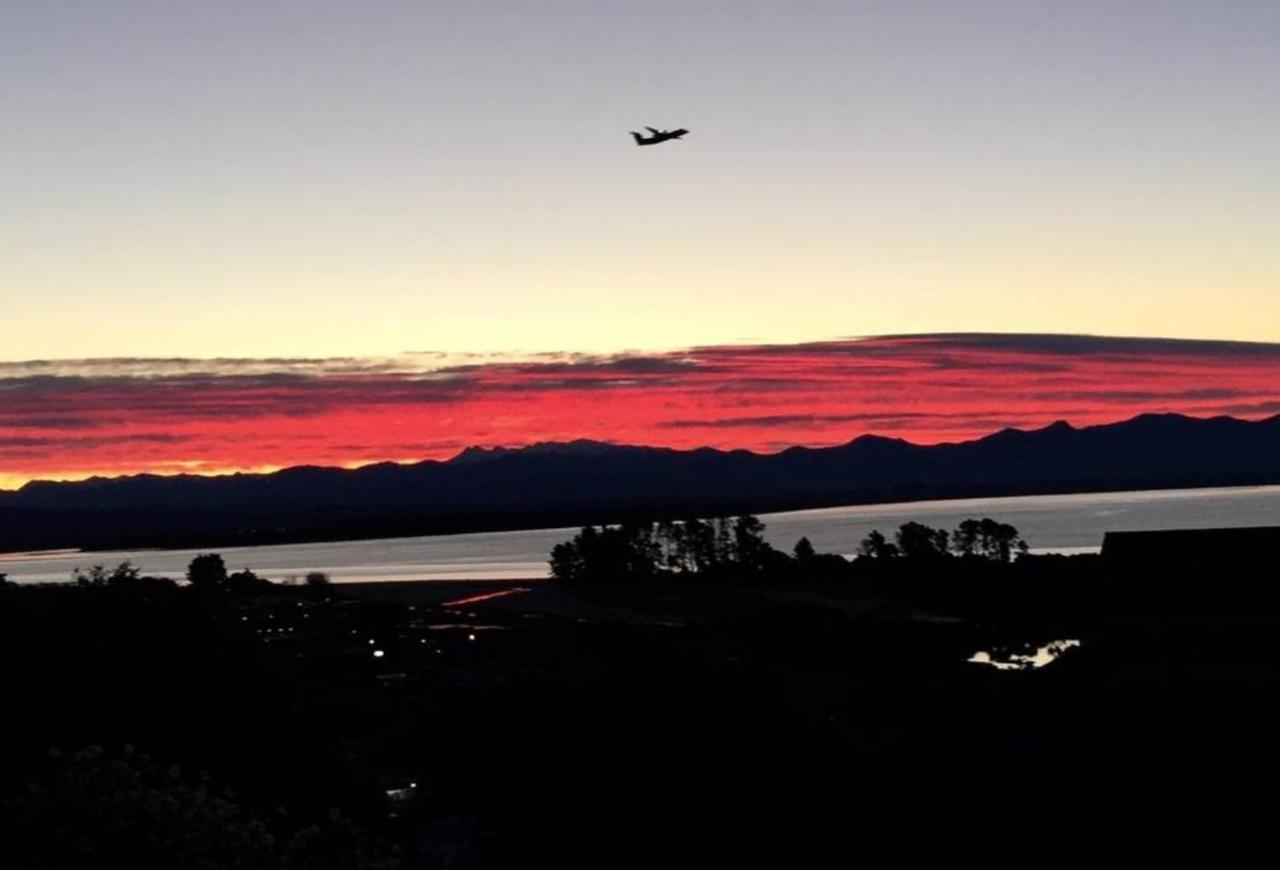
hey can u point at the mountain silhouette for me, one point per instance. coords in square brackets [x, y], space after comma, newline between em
[584, 481]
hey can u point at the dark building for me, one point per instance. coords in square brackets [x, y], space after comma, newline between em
[1197, 572]
[1177, 546]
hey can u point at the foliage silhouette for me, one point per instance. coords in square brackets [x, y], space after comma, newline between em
[207, 571]
[988, 539]
[876, 546]
[918, 541]
[724, 548]
[98, 575]
[638, 552]
[983, 539]
[244, 581]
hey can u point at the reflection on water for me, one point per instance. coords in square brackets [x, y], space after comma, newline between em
[1006, 660]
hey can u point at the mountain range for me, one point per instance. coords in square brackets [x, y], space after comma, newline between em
[577, 482]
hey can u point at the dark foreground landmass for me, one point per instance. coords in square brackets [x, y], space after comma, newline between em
[789, 722]
[553, 485]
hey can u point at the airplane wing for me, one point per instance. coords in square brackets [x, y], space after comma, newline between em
[653, 131]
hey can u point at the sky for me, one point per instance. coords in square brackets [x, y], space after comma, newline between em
[77, 418]
[402, 180]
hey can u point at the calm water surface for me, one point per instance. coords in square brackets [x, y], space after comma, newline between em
[1050, 523]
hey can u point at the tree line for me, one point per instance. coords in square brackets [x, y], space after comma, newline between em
[633, 552]
[972, 539]
[734, 547]
[207, 571]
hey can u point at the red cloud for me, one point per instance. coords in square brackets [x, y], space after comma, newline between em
[70, 419]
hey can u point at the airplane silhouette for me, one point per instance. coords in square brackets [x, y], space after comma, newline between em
[658, 136]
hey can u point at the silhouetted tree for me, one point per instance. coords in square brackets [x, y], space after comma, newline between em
[814, 565]
[875, 546]
[98, 575]
[317, 578]
[724, 541]
[610, 554]
[207, 571]
[670, 551]
[644, 551]
[698, 539]
[988, 539]
[751, 551]
[568, 564]
[966, 538]
[245, 580]
[1002, 541]
[918, 541]
[635, 552]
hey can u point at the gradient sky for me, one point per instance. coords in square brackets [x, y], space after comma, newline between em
[320, 178]
[242, 235]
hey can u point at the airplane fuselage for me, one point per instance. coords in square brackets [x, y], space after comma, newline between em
[658, 136]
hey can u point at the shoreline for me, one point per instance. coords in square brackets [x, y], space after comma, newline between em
[1071, 524]
[765, 514]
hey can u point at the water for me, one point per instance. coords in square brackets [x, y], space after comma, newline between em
[1050, 523]
[1024, 661]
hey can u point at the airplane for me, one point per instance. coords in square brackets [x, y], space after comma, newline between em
[658, 136]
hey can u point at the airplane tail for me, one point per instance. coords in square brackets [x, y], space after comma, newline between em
[639, 139]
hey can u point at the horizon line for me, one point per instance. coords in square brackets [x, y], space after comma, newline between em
[519, 354]
[516, 448]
